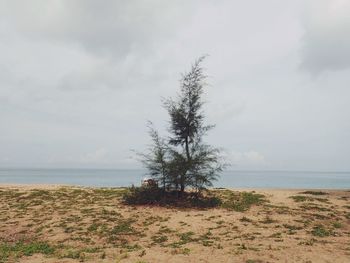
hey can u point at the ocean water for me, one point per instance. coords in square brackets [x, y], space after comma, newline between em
[228, 179]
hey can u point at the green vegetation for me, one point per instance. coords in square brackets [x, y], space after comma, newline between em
[320, 231]
[302, 198]
[183, 160]
[242, 201]
[148, 195]
[314, 193]
[19, 249]
[95, 225]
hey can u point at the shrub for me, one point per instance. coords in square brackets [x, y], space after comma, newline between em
[241, 202]
[143, 195]
[152, 195]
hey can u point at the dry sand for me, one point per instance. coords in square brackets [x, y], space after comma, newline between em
[72, 224]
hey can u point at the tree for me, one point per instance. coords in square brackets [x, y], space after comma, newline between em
[156, 160]
[184, 159]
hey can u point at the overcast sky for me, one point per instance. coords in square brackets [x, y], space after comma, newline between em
[80, 79]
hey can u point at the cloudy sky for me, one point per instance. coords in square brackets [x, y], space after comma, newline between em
[80, 79]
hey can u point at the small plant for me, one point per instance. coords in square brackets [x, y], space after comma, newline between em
[245, 219]
[314, 193]
[320, 231]
[24, 249]
[124, 227]
[186, 237]
[301, 198]
[241, 202]
[159, 239]
[337, 225]
[268, 220]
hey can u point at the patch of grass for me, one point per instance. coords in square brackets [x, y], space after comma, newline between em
[301, 198]
[16, 250]
[276, 235]
[320, 231]
[347, 215]
[123, 227]
[314, 193]
[254, 261]
[207, 239]
[152, 195]
[159, 239]
[164, 229]
[186, 237]
[292, 227]
[308, 242]
[245, 219]
[337, 225]
[93, 227]
[268, 220]
[242, 201]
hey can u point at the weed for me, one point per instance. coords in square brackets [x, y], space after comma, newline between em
[320, 231]
[24, 249]
[242, 201]
[159, 239]
[245, 219]
[337, 225]
[314, 193]
[268, 220]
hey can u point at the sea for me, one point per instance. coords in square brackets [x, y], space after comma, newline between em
[128, 177]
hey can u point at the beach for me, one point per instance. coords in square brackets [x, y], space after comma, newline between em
[55, 223]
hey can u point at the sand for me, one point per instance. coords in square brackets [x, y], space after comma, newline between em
[92, 225]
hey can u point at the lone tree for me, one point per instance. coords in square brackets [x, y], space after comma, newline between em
[183, 159]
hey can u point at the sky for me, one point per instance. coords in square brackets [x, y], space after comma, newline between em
[80, 79]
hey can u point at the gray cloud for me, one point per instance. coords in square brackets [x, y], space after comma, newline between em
[326, 42]
[114, 28]
[79, 80]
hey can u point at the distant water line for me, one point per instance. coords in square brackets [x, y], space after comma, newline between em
[228, 179]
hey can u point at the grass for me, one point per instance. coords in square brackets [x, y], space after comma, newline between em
[268, 220]
[122, 228]
[157, 196]
[97, 225]
[320, 231]
[337, 225]
[314, 193]
[245, 219]
[19, 249]
[302, 198]
[242, 201]
[159, 239]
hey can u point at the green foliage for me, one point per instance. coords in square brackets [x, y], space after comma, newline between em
[159, 239]
[145, 195]
[123, 227]
[20, 249]
[242, 201]
[314, 193]
[320, 231]
[184, 160]
[300, 198]
[337, 225]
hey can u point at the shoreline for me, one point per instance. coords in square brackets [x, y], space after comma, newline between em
[57, 186]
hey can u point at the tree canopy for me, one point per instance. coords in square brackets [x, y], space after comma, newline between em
[183, 159]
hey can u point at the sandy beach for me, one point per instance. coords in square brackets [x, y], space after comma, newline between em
[53, 223]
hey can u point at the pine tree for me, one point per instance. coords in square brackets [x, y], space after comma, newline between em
[184, 160]
[201, 162]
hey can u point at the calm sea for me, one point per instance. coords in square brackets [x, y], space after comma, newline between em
[229, 179]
